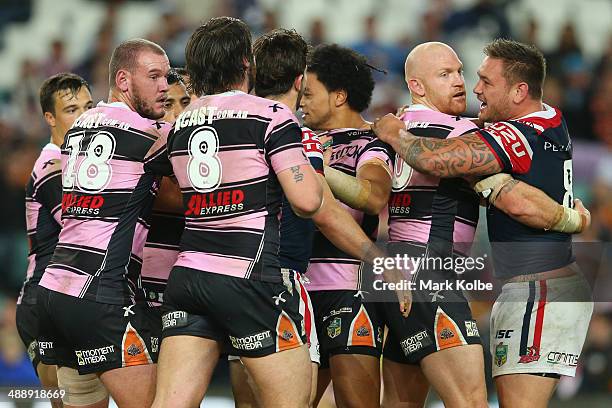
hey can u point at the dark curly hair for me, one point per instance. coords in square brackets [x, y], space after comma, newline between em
[216, 53]
[280, 57]
[340, 68]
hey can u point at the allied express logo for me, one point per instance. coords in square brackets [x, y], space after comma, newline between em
[215, 203]
[82, 204]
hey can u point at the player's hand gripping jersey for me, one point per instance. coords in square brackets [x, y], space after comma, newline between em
[43, 217]
[426, 209]
[226, 150]
[110, 161]
[535, 149]
[331, 268]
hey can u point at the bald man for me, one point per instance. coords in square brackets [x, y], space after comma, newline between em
[439, 343]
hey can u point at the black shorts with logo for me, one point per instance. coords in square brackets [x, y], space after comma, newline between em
[439, 319]
[95, 337]
[251, 318]
[26, 319]
[346, 324]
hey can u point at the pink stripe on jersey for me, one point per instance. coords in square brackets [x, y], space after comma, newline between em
[140, 237]
[63, 281]
[332, 276]
[214, 263]
[96, 234]
[157, 262]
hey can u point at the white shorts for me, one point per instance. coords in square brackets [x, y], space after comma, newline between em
[540, 326]
[309, 322]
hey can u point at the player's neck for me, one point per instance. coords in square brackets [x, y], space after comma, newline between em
[528, 107]
[347, 118]
[56, 138]
[417, 100]
[117, 96]
[289, 99]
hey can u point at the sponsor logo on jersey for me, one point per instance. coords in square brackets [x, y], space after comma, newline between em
[416, 342]
[557, 357]
[334, 328]
[399, 203]
[82, 204]
[174, 319]
[503, 334]
[94, 356]
[501, 354]
[253, 341]
[215, 203]
[44, 345]
[32, 350]
[338, 311]
[206, 115]
[154, 344]
[471, 328]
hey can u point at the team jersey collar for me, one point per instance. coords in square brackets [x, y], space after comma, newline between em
[51, 146]
[121, 105]
[547, 113]
[230, 93]
[418, 107]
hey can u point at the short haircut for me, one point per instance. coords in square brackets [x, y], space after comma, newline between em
[59, 82]
[522, 63]
[126, 54]
[280, 57]
[340, 68]
[216, 54]
[174, 77]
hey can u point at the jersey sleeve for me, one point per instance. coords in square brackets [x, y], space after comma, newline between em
[48, 190]
[283, 142]
[313, 149]
[376, 149]
[157, 160]
[510, 143]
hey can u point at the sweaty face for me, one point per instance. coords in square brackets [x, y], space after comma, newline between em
[443, 81]
[493, 91]
[69, 106]
[148, 84]
[176, 101]
[316, 103]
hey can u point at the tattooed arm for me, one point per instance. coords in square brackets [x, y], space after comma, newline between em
[302, 188]
[462, 156]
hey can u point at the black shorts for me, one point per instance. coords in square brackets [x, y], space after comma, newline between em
[346, 324]
[250, 318]
[439, 319]
[26, 319]
[95, 337]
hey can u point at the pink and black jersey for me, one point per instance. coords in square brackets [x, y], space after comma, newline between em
[297, 233]
[111, 159]
[160, 251]
[226, 150]
[43, 203]
[536, 149]
[426, 209]
[330, 268]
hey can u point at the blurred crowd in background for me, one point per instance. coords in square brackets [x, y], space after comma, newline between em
[579, 82]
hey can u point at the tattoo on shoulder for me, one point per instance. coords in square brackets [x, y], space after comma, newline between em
[297, 175]
[461, 156]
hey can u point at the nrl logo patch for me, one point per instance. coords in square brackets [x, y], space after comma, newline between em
[501, 354]
[334, 328]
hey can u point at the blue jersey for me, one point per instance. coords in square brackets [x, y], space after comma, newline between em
[537, 150]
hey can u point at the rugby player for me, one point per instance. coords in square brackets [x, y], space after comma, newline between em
[178, 98]
[234, 155]
[280, 58]
[339, 87]
[63, 97]
[532, 344]
[110, 162]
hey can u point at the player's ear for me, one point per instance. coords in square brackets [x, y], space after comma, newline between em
[520, 92]
[50, 119]
[299, 83]
[416, 87]
[340, 97]
[122, 80]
